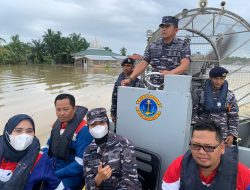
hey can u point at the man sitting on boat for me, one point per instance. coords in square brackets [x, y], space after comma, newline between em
[215, 101]
[69, 138]
[128, 67]
[209, 164]
[167, 55]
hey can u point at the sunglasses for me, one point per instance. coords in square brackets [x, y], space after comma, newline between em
[205, 148]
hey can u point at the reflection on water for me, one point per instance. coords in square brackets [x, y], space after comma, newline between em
[53, 78]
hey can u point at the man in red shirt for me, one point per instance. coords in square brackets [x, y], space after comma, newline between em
[208, 164]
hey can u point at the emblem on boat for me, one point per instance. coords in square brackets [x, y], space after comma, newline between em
[148, 107]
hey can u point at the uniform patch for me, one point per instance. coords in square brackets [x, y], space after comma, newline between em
[127, 154]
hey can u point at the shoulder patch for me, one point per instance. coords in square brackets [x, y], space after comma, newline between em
[127, 154]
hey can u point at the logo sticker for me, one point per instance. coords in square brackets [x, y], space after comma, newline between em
[148, 107]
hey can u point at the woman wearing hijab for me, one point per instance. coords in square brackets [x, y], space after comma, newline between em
[22, 166]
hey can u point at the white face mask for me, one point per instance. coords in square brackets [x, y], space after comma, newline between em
[20, 142]
[99, 131]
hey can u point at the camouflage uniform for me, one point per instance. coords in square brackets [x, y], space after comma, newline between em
[135, 83]
[163, 56]
[119, 154]
[228, 119]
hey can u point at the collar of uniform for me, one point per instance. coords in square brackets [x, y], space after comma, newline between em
[174, 41]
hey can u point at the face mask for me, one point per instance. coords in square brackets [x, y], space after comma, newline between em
[99, 131]
[20, 142]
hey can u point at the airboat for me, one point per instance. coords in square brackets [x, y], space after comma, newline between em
[158, 121]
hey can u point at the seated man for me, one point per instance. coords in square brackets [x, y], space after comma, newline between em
[127, 66]
[69, 138]
[208, 164]
[22, 166]
[109, 161]
[215, 101]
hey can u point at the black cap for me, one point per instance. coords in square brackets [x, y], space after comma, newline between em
[169, 20]
[218, 72]
[128, 61]
[97, 114]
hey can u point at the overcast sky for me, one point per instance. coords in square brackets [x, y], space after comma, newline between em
[114, 23]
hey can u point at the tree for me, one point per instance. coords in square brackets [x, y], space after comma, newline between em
[16, 50]
[77, 43]
[38, 50]
[107, 48]
[52, 42]
[2, 41]
[123, 51]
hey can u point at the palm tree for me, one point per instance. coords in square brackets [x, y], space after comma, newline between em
[16, 50]
[51, 41]
[38, 50]
[123, 51]
[77, 43]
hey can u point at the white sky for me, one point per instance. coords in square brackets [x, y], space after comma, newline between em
[114, 23]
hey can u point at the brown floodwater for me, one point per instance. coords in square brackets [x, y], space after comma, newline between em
[31, 89]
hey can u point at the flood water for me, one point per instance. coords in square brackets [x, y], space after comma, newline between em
[31, 89]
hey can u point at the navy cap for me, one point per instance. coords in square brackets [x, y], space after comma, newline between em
[97, 114]
[218, 72]
[128, 61]
[169, 20]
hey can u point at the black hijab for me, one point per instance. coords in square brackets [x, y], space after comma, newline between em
[25, 158]
[10, 154]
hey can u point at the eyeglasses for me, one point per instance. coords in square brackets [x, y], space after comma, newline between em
[205, 148]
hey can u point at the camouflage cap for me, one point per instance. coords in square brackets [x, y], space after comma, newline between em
[128, 61]
[97, 114]
[169, 20]
[218, 72]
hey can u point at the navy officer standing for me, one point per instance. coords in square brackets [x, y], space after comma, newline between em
[215, 101]
[167, 55]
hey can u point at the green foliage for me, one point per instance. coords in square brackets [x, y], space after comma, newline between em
[16, 51]
[107, 48]
[123, 51]
[3, 55]
[2, 41]
[52, 48]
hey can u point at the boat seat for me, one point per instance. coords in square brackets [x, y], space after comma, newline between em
[148, 167]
